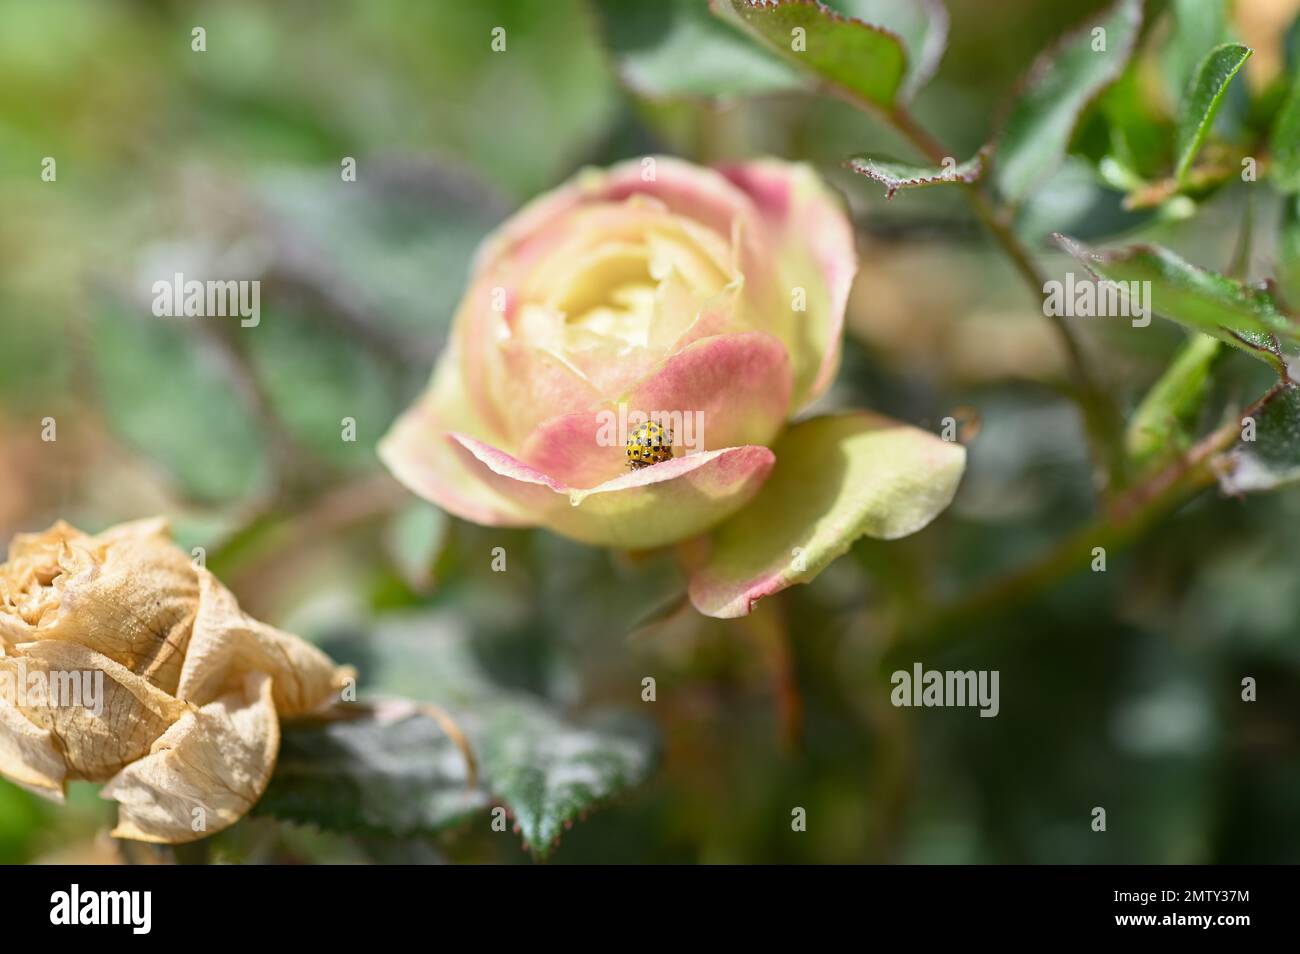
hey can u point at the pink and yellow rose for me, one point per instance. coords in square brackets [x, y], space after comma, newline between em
[660, 288]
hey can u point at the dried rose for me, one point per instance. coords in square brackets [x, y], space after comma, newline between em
[123, 662]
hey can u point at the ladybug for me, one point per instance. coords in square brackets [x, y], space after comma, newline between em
[649, 444]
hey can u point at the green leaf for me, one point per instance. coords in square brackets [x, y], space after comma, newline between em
[1272, 460]
[414, 539]
[668, 48]
[546, 768]
[862, 62]
[316, 379]
[549, 772]
[396, 776]
[1059, 87]
[1246, 318]
[922, 25]
[1201, 102]
[153, 372]
[837, 478]
[1197, 26]
[385, 257]
[1163, 420]
[1288, 251]
[901, 175]
[1286, 142]
[1139, 138]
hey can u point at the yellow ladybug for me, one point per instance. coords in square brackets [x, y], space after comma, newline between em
[649, 444]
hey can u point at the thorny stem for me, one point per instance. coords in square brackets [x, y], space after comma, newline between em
[1101, 417]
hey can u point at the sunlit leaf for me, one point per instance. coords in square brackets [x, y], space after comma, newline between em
[1201, 102]
[1246, 318]
[1061, 84]
[922, 25]
[863, 62]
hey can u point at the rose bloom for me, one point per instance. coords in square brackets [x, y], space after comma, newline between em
[662, 289]
[186, 731]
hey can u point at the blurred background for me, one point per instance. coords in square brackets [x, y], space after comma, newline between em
[1119, 689]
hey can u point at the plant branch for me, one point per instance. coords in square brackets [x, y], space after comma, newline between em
[1125, 520]
[1104, 423]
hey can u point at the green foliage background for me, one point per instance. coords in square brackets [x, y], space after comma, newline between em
[1118, 689]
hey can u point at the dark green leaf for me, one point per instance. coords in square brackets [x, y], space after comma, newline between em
[922, 25]
[1060, 85]
[858, 60]
[901, 175]
[668, 48]
[397, 776]
[1272, 460]
[548, 772]
[543, 766]
[1244, 317]
[1201, 102]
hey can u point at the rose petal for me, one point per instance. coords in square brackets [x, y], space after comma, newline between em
[840, 477]
[96, 739]
[816, 252]
[738, 384]
[725, 391]
[204, 773]
[227, 643]
[417, 453]
[643, 508]
[28, 755]
[99, 605]
[692, 191]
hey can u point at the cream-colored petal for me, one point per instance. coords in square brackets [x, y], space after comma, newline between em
[97, 736]
[28, 755]
[204, 773]
[133, 601]
[228, 643]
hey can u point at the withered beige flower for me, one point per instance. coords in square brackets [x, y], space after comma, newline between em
[185, 729]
